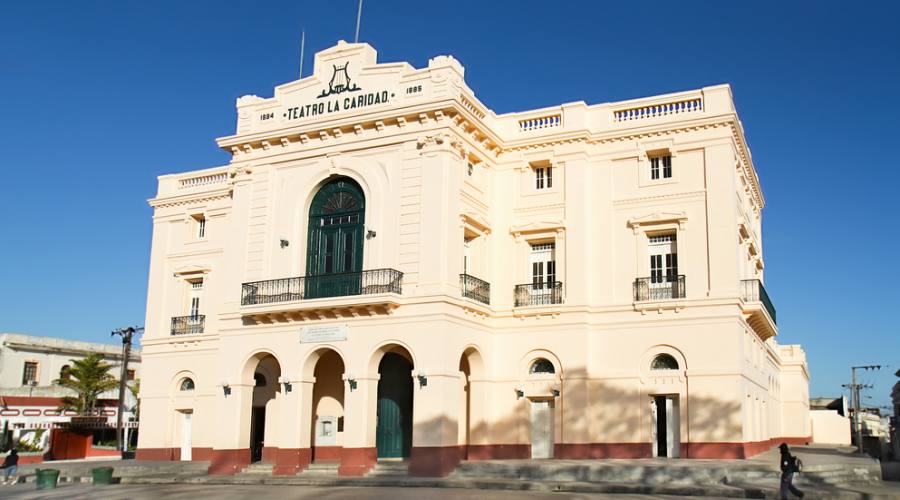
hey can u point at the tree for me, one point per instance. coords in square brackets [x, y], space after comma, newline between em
[88, 377]
[135, 390]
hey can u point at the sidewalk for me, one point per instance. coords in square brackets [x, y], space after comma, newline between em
[828, 473]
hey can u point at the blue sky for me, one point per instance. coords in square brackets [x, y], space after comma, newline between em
[101, 97]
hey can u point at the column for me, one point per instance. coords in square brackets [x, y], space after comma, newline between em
[435, 448]
[360, 402]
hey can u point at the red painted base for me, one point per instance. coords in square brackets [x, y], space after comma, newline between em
[289, 461]
[327, 453]
[228, 462]
[584, 451]
[434, 461]
[499, 451]
[174, 454]
[356, 462]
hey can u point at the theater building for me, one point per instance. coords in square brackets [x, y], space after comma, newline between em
[387, 269]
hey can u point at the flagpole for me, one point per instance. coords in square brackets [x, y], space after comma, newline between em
[302, 47]
[358, 16]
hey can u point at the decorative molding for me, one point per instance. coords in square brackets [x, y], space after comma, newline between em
[645, 199]
[658, 218]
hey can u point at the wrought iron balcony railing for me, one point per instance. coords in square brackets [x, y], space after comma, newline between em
[321, 286]
[659, 288]
[754, 291]
[538, 294]
[475, 289]
[188, 325]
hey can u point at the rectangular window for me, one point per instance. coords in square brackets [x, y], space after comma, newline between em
[661, 167]
[196, 290]
[200, 226]
[129, 375]
[543, 266]
[663, 259]
[29, 373]
[543, 177]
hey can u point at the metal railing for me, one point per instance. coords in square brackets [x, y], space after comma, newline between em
[474, 288]
[188, 325]
[320, 286]
[754, 291]
[659, 288]
[538, 294]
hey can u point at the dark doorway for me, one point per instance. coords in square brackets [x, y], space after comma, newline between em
[661, 438]
[395, 399]
[257, 433]
[335, 243]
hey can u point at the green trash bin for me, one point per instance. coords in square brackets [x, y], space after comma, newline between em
[46, 478]
[102, 475]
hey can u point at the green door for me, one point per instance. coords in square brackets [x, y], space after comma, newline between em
[393, 436]
[334, 248]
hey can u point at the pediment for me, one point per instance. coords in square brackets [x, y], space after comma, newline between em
[192, 269]
[538, 226]
[658, 218]
[346, 80]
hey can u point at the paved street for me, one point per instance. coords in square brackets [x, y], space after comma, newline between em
[258, 492]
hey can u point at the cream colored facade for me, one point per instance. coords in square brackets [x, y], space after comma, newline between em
[634, 226]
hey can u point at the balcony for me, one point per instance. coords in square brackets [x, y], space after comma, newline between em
[475, 289]
[659, 288]
[538, 294]
[322, 296]
[322, 286]
[188, 325]
[758, 308]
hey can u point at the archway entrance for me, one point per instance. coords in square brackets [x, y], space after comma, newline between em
[465, 408]
[327, 407]
[262, 423]
[335, 244]
[393, 436]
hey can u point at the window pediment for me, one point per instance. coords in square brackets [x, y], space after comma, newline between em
[656, 218]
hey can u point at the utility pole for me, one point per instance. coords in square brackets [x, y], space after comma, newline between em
[855, 400]
[126, 333]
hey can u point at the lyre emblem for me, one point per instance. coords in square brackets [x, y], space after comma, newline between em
[340, 82]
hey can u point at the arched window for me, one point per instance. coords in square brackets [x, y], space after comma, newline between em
[64, 372]
[187, 384]
[259, 379]
[334, 251]
[664, 362]
[541, 365]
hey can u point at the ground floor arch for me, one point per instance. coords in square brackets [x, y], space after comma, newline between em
[263, 422]
[327, 407]
[394, 411]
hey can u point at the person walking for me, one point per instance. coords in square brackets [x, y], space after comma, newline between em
[789, 465]
[10, 467]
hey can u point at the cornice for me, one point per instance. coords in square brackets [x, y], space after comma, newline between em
[664, 197]
[186, 199]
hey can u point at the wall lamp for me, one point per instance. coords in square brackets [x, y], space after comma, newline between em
[423, 379]
[226, 389]
[285, 243]
[519, 392]
[555, 390]
[351, 381]
[370, 234]
[286, 383]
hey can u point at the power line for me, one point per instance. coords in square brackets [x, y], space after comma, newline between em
[855, 400]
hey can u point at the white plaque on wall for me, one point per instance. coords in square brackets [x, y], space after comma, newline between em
[323, 333]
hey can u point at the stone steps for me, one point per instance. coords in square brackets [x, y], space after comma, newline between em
[389, 469]
[321, 469]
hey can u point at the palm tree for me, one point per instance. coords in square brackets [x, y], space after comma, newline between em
[88, 377]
